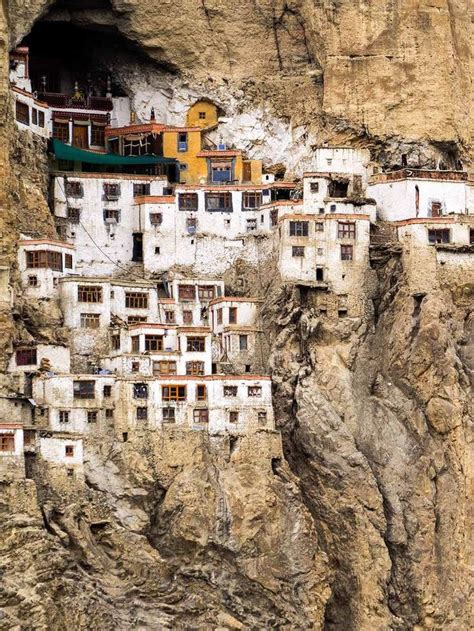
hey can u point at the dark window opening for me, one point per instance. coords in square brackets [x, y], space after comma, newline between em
[299, 228]
[439, 235]
[137, 255]
[338, 188]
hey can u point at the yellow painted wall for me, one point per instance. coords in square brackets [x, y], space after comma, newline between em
[197, 167]
[192, 117]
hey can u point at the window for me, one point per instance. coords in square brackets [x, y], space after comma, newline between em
[332, 208]
[216, 202]
[40, 118]
[136, 319]
[183, 166]
[194, 368]
[471, 236]
[29, 437]
[173, 393]
[26, 357]
[299, 229]
[232, 315]
[251, 225]
[74, 189]
[338, 188]
[320, 273]
[156, 219]
[342, 313]
[136, 300]
[201, 416]
[262, 417]
[221, 171]
[202, 115]
[135, 343]
[153, 342]
[438, 235]
[187, 317]
[243, 342]
[90, 320]
[169, 317]
[196, 344]
[92, 416]
[64, 416]
[34, 116]
[297, 251]
[201, 392]
[84, 389]
[7, 442]
[68, 261]
[168, 415]
[164, 368]
[138, 147]
[346, 252]
[251, 200]
[111, 191]
[346, 230]
[206, 292]
[111, 215]
[186, 292]
[61, 131]
[230, 391]
[142, 414]
[45, 259]
[273, 217]
[319, 226]
[73, 214]
[135, 366]
[219, 316]
[141, 189]
[157, 249]
[182, 141]
[109, 414]
[254, 391]
[233, 416]
[69, 451]
[314, 187]
[33, 281]
[107, 391]
[97, 135]
[436, 209]
[89, 293]
[140, 391]
[115, 342]
[22, 113]
[188, 201]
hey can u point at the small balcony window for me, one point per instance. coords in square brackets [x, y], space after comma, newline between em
[206, 292]
[164, 368]
[153, 343]
[186, 292]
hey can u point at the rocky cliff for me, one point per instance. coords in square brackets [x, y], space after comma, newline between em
[360, 519]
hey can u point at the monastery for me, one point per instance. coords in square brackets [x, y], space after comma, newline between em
[150, 219]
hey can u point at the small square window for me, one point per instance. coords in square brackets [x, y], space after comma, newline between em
[262, 418]
[109, 414]
[69, 451]
[233, 416]
[142, 414]
[107, 391]
[63, 416]
[92, 416]
[201, 416]
[183, 166]
[202, 115]
[157, 250]
[314, 187]
[135, 367]
[156, 219]
[33, 281]
[168, 415]
[297, 251]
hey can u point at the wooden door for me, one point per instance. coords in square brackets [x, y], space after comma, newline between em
[79, 136]
[247, 172]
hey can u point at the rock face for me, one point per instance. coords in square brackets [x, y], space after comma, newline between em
[360, 520]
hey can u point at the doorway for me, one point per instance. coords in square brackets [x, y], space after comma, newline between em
[79, 136]
[137, 254]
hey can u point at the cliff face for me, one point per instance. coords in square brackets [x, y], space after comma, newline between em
[360, 522]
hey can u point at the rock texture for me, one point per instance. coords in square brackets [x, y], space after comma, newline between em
[362, 521]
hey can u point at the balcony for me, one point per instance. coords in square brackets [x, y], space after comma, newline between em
[64, 101]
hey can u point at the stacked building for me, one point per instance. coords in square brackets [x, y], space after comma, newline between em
[150, 218]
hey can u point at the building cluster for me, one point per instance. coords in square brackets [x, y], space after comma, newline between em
[149, 218]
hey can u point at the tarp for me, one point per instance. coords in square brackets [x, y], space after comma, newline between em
[62, 151]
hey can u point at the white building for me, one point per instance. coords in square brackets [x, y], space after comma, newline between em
[27, 360]
[12, 459]
[411, 193]
[63, 452]
[336, 193]
[102, 219]
[348, 160]
[41, 263]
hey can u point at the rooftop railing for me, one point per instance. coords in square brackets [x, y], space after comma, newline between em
[64, 101]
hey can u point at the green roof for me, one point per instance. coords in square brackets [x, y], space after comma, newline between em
[62, 151]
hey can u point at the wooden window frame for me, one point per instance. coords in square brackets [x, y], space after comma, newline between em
[187, 316]
[195, 344]
[254, 391]
[153, 343]
[442, 232]
[136, 319]
[81, 391]
[142, 413]
[63, 416]
[165, 367]
[173, 392]
[168, 415]
[187, 293]
[61, 131]
[136, 300]
[201, 416]
[230, 391]
[92, 416]
[206, 292]
[201, 392]
[141, 189]
[140, 391]
[299, 228]
[22, 112]
[91, 294]
[297, 251]
[188, 201]
[74, 189]
[243, 347]
[7, 443]
[251, 200]
[346, 230]
[26, 357]
[224, 199]
[90, 320]
[195, 368]
[111, 213]
[347, 252]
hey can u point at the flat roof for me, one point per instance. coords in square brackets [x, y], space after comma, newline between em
[61, 244]
[420, 174]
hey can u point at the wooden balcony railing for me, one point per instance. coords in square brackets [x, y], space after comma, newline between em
[64, 101]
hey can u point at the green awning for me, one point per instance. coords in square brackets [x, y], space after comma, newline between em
[74, 154]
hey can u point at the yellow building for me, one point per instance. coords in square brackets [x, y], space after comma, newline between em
[197, 164]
